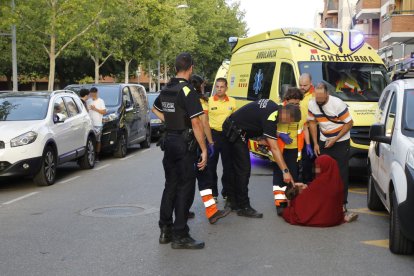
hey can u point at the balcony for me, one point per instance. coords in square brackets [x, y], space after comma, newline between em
[368, 9]
[398, 27]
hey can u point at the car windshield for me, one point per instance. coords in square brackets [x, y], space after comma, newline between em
[108, 93]
[408, 114]
[151, 98]
[23, 108]
[359, 82]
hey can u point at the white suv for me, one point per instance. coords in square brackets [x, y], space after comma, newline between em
[40, 130]
[391, 163]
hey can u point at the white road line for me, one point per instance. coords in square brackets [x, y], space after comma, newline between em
[129, 156]
[100, 168]
[68, 180]
[145, 150]
[19, 198]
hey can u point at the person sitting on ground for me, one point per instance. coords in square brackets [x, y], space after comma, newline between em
[320, 203]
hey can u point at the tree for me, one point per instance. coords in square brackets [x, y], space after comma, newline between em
[58, 24]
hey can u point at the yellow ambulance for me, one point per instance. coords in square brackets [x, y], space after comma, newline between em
[265, 65]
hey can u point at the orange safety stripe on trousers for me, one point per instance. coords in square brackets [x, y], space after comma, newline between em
[279, 197]
[210, 204]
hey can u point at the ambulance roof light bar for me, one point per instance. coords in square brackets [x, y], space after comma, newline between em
[356, 39]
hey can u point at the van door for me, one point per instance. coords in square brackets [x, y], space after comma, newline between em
[142, 110]
[385, 153]
[131, 115]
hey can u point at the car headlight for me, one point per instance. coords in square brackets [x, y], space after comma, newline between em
[24, 139]
[410, 158]
[110, 117]
[156, 121]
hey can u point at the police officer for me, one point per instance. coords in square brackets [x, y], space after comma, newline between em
[179, 107]
[255, 119]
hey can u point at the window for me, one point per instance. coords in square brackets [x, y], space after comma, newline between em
[286, 79]
[389, 123]
[136, 95]
[21, 108]
[72, 107]
[126, 97]
[408, 118]
[260, 83]
[384, 100]
[59, 107]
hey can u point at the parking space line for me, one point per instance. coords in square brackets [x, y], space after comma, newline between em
[68, 180]
[127, 157]
[360, 191]
[102, 167]
[145, 150]
[19, 198]
[369, 212]
[379, 243]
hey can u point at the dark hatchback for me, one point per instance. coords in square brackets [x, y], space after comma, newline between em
[157, 126]
[127, 120]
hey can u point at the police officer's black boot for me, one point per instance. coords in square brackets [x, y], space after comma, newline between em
[186, 242]
[249, 212]
[280, 208]
[166, 235]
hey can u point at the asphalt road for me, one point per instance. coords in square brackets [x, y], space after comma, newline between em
[104, 222]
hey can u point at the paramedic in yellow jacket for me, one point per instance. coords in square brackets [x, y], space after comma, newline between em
[204, 177]
[220, 107]
[291, 141]
[348, 83]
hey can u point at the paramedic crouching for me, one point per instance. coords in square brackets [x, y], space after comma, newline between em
[255, 119]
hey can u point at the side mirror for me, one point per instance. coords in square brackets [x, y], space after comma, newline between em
[128, 104]
[59, 118]
[377, 133]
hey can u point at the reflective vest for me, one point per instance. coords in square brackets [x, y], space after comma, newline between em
[296, 133]
[349, 84]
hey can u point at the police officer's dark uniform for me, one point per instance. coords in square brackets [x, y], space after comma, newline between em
[179, 103]
[252, 120]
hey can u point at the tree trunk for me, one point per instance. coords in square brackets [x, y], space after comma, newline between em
[127, 62]
[150, 77]
[52, 63]
[96, 62]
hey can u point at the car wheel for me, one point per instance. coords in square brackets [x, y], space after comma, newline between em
[147, 143]
[121, 147]
[373, 200]
[47, 173]
[399, 244]
[87, 161]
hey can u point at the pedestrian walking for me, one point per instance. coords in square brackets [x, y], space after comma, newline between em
[307, 88]
[204, 177]
[335, 123]
[255, 119]
[178, 105]
[220, 107]
[97, 109]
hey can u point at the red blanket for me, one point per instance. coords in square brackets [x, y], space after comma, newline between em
[321, 203]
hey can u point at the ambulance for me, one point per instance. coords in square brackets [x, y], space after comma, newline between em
[265, 65]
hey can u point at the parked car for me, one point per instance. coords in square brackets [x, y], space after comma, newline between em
[391, 163]
[127, 120]
[157, 126]
[40, 130]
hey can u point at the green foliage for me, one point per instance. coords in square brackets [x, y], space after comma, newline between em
[77, 32]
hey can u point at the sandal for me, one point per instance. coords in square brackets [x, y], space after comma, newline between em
[351, 217]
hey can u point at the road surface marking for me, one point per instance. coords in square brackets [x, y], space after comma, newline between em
[68, 180]
[360, 191]
[145, 150]
[100, 168]
[19, 198]
[129, 156]
[369, 212]
[379, 243]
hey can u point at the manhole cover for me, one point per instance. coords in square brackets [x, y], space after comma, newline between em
[118, 211]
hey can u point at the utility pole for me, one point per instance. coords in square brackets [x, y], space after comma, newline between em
[14, 53]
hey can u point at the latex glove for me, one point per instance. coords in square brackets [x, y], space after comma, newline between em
[285, 138]
[210, 150]
[309, 150]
